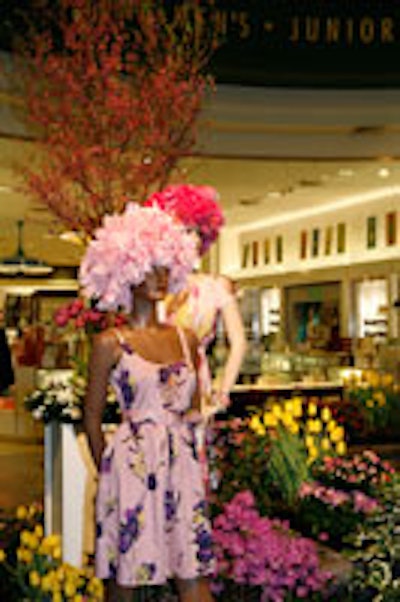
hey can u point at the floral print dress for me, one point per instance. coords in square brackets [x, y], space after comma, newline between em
[150, 509]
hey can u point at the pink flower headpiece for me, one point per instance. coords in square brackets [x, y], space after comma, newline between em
[127, 247]
[195, 206]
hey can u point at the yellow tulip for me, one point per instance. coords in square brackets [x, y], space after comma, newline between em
[46, 584]
[255, 422]
[21, 512]
[52, 540]
[297, 407]
[338, 434]
[270, 420]
[77, 598]
[293, 427]
[33, 543]
[70, 589]
[24, 555]
[310, 442]
[56, 553]
[331, 426]
[326, 414]
[289, 406]
[3, 556]
[57, 597]
[25, 537]
[34, 578]
[312, 455]
[277, 410]
[370, 403]
[39, 531]
[325, 444]
[341, 448]
[312, 409]
[387, 380]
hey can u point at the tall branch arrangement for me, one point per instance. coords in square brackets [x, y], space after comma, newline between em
[114, 89]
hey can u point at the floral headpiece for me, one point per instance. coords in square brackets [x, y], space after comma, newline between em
[127, 247]
[195, 206]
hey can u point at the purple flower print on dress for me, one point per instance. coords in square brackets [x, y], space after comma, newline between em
[167, 371]
[203, 537]
[170, 505]
[129, 531]
[151, 481]
[204, 543]
[99, 530]
[106, 461]
[126, 388]
[112, 569]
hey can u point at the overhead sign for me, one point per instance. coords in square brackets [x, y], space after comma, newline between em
[273, 42]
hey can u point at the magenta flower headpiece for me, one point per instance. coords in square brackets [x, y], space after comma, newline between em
[195, 206]
[127, 247]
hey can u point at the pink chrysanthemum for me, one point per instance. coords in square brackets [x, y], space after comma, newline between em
[195, 206]
[127, 247]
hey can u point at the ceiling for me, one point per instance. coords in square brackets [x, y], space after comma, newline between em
[250, 190]
[267, 152]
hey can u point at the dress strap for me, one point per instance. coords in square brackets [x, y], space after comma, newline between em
[119, 337]
[185, 347]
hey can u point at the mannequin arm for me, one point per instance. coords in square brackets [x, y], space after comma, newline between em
[234, 329]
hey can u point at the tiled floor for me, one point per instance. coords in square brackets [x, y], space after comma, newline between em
[21, 473]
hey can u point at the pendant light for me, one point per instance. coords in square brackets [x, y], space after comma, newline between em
[21, 265]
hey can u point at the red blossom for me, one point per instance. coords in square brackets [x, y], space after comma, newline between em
[115, 97]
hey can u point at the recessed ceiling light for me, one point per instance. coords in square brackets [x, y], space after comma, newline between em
[346, 172]
[274, 194]
[383, 172]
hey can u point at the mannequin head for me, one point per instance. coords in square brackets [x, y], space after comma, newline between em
[132, 249]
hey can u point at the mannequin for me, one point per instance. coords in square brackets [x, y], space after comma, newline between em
[150, 510]
[206, 296]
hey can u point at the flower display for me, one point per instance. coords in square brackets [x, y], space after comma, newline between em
[330, 514]
[365, 471]
[79, 316]
[126, 248]
[375, 396]
[62, 401]
[38, 572]
[254, 550]
[195, 206]
[314, 424]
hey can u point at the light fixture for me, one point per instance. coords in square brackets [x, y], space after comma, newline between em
[19, 264]
[383, 172]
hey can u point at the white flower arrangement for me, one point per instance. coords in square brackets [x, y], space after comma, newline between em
[62, 401]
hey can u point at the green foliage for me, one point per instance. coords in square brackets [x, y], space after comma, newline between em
[287, 465]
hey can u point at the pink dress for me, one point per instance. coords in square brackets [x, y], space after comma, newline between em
[151, 509]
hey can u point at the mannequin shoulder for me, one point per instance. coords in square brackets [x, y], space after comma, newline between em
[106, 345]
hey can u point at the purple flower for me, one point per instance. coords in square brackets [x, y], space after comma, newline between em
[129, 531]
[170, 505]
[151, 481]
[126, 388]
[106, 462]
[254, 550]
[166, 371]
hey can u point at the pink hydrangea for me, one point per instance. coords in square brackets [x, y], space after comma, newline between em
[127, 247]
[195, 206]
